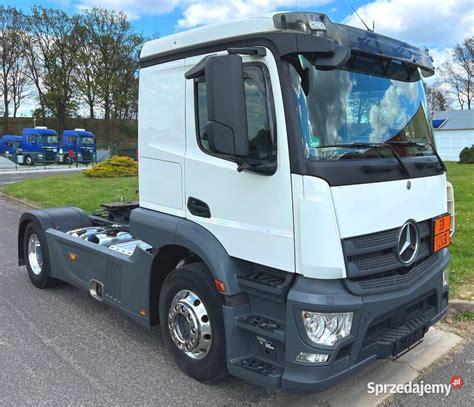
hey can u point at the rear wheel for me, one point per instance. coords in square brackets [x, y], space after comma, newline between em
[36, 257]
[192, 322]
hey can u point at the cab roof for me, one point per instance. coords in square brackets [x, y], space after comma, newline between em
[40, 130]
[302, 23]
[76, 132]
[208, 34]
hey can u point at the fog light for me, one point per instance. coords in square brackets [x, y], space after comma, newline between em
[445, 277]
[304, 357]
[326, 328]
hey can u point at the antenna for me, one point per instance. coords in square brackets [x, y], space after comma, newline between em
[363, 22]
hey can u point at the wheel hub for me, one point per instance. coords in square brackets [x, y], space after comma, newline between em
[189, 325]
[35, 254]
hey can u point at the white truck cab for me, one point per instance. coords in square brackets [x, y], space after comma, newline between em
[293, 217]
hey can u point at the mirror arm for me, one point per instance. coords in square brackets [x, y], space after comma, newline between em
[258, 51]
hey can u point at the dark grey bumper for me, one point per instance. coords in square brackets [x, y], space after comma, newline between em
[378, 319]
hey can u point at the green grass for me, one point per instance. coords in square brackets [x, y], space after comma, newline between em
[89, 193]
[465, 316]
[74, 190]
[461, 269]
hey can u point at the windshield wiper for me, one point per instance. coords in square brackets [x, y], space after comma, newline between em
[377, 146]
[352, 145]
[408, 143]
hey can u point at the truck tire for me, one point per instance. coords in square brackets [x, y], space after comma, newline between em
[36, 257]
[29, 160]
[192, 322]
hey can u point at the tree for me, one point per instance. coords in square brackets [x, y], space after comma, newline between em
[459, 75]
[14, 79]
[52, 46]
[115, 52]
[436, 98]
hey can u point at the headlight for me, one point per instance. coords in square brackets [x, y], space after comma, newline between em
[324, 328]
[40, 155]
[445, 277]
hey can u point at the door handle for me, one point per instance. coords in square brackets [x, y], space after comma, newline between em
[198, 207]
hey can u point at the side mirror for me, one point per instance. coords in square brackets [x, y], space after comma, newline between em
[226, 108]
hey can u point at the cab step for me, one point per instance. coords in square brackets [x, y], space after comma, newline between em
[258, 371]
[262, 326]
[271, 284]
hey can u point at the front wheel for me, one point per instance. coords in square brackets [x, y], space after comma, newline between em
[192, 322]
[29, 160]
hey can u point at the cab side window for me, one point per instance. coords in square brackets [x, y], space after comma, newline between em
[260, 125]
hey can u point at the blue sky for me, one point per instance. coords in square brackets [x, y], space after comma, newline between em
[436, 24]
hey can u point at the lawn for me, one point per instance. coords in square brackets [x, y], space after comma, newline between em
[461, 276]
[74, 190]
[89, 193]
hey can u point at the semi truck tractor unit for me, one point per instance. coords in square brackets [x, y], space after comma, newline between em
[10, 144]
[78, 144]
[39, 145]
[293, 215]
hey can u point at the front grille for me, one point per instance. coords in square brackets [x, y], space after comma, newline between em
[378, 252]
[87, 155]
[395, 279]
[49, 155]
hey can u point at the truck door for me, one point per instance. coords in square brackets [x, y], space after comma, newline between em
[250, 214]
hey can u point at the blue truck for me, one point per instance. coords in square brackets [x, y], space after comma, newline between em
[39, 144]
[78, 142]
[10, 144]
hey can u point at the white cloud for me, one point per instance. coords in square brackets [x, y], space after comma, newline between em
[134, 9]
[197, 13]
[216, 11]
[438, 23]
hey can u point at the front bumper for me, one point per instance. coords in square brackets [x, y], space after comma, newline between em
[378, 319]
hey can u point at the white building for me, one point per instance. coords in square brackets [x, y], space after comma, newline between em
[453, 130]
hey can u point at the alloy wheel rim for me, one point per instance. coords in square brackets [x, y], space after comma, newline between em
[189, 325]
[35, 254]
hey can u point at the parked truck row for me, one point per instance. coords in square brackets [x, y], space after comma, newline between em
[42, 145]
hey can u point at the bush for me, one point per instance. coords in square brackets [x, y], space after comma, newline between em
[113, 168]
[467, 155]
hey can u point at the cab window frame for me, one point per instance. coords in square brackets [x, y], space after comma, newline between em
[269, 108]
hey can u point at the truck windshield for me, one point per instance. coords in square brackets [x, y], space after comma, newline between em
[87, 141]
[47, 139]
[343, 112]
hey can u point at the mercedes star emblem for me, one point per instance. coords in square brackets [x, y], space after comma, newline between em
[408, 242]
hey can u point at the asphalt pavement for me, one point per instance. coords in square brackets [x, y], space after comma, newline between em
[59, 347]
[460, 364]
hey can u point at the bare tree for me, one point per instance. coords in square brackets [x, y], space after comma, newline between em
[459, 75]
[52, 48]
[14, 81]
[436, 98]
[115, 57]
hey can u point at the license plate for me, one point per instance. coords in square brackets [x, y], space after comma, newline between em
[408, 342]
[441, 241]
